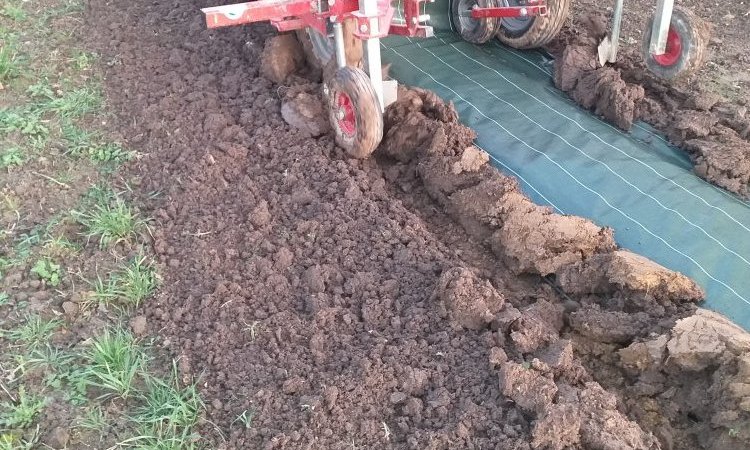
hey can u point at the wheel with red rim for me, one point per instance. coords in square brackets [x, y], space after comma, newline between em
[686, 46]
[354, 111]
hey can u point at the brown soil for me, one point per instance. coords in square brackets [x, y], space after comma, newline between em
[710, 123]
[414, 300]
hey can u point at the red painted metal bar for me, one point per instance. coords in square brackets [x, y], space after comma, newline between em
[258, 11]
[509, 11]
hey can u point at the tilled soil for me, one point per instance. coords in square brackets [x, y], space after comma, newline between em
[712, 126]
[413, 300]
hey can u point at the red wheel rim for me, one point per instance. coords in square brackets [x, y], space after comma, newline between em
[345, 114]
[672, 52]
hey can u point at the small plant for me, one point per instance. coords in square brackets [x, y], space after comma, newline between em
[25, 121]
[75, 103]
[113, 222]
[4, 298]
[41, 89]
[48, 271]
[11, 157]
[113, 362]
[13, 12]
[9, 62]
[137, 282]
[21, 414]
[246, 418]
[34, 332]
[95, 419]
[166, 403]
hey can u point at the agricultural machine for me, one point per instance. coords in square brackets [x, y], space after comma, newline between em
[347, 33]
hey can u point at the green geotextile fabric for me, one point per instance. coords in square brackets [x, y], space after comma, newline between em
[569, 159]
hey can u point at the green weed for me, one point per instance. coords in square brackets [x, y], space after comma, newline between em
[4, 298]
[21, 414]
[137, 282]
[82, 143]
[113, 222]
[76, 103]
[14, 11]
[34, 332]
[11, 157]
[83, 60]
[113, 362]
[94, 419]
[10, 64]
[246, 418]
[25, 121]
[48, 270]
[168, 404]
[41, 89]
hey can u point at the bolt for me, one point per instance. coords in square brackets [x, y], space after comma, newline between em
[340, 114]
[325, 89]
[363, 28]
[524, 12]
[414, 20]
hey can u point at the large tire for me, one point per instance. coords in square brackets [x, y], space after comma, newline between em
[686, 46]
[354, 111]
[539, 31]
[476, 31]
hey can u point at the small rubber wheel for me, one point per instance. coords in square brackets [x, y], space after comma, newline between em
[319, 49]
[354, 111]
[686, 46]
[476, 31]
[534, 31]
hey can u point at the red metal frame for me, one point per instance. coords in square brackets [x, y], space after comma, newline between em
[287, 15]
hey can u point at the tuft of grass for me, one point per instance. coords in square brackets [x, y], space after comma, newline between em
[21, 414]
[10, 64]
[113, 222]
[113, 362]
[4, 298]
[11, 157]
[137, 282]
[34, 332]
[94, 419]
[48, 270]
[82, 143]
[75, 103]
[13, 11]
[167, 404]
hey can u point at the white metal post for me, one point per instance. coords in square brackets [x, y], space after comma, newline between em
[372, 48]
[338, 42]
[660, 28]
[616, 27]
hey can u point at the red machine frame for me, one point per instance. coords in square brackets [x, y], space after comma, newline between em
[287, 15]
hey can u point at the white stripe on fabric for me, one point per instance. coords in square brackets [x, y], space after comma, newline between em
[697, 264]
[598, 138]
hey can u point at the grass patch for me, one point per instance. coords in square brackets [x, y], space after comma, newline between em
[13, 11]
[48, 270]
[10, 64]
[113, 362]
[4, 298]
[111, 221]
[75, 103]
[136, 282]
[34, 332]
[26, 121]
[21, 413]
[82, 143]
[11, 157]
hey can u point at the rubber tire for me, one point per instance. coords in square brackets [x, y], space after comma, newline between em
[487, 28]
[368, 116]
[542, 30]
[694, 36]
[313, 60]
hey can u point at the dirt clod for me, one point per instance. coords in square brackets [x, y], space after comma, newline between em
[282, 56]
